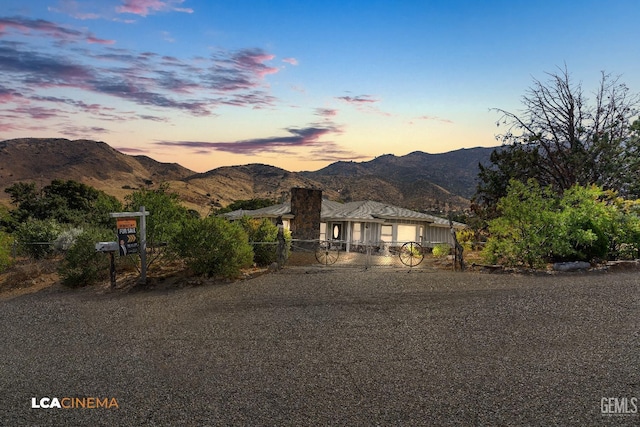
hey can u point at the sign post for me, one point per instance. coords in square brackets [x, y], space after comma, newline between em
[127, 238]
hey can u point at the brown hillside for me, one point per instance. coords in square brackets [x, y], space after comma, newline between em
[230, 183]
[93, 163]
[404, 181]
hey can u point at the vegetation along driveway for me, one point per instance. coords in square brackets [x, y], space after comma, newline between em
[322, 346]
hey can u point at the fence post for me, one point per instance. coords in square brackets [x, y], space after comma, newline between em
[458, 249]
[282, 246]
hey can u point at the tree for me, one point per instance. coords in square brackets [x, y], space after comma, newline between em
[214, 247]
[166, 219]
[561, 138]
[68, 202]
[251, 204]
[519, 162]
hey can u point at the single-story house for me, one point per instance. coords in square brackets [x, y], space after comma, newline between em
[358, 224]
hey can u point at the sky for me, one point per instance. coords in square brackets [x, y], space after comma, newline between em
[290, 83]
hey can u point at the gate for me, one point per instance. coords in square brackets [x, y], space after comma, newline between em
[380, 254]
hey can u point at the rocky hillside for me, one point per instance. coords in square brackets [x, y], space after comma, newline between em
[418, 180]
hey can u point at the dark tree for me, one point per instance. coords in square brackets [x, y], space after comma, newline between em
[562, 138]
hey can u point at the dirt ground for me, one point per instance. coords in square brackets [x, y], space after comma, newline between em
[29, 276]
[330, 346]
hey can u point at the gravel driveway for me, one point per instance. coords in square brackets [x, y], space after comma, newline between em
[330, 347]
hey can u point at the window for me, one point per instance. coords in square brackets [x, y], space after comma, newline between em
[323, 231]
[406, 233]
[337, 231]
[386, 233]
[357, 232]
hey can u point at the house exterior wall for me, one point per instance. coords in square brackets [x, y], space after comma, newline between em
[356, 234]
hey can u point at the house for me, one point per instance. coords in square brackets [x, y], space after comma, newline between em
[363, 223]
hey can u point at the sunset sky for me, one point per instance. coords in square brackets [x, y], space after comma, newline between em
[294, 84]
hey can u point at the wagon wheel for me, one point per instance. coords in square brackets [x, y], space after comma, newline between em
[411, 254]
[325, 254]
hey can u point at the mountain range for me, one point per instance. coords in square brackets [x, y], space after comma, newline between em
[420, 181]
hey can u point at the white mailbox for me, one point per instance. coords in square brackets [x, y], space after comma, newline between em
[106, 246]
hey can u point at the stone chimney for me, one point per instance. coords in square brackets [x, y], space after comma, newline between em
[306, 205]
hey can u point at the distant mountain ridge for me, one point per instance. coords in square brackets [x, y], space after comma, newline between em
[455, 171]
[417, 180]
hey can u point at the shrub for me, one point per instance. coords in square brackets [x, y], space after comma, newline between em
[264, 231]
[441, 250]
[466, 238]
[82, 265]
[67, 238]
[214, 247]
[35, 237]
[537, 225]
[5, 251]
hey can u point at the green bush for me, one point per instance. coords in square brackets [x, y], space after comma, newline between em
[36, 237]
[82, 265]
[6, 241]
[466, 238]
[441, 250]
[264, 231]
[214, 247]
[536, 226]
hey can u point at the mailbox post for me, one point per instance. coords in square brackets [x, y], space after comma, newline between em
[110, 248]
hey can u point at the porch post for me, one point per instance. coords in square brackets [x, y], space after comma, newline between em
[348, 236]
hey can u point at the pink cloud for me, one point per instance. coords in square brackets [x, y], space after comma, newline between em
[144, 7]
[299, 137]
[292, 61]
[433, 118]
[73, 9]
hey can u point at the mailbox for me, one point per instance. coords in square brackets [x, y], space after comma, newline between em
[106, 246]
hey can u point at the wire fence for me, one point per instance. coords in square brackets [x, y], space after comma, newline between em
[323, 253]
[341, 253]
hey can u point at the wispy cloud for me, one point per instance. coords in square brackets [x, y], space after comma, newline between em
[131, 150]
[298, 137]
[75, 131]
[358, 100]
[326, 112]
[195, 87]
[242, 69]
[365, 104]
[432, 118]
[37, 27]
[74, 9]
[292, 61]
[331, 152]
[145, 7]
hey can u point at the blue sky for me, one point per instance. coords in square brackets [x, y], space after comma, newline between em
[294, 84]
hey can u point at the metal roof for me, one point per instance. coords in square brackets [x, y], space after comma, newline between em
[365, 211]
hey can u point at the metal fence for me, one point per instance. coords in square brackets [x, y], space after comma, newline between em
[338, 253]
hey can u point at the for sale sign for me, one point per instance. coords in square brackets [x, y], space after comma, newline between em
[127, 238]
